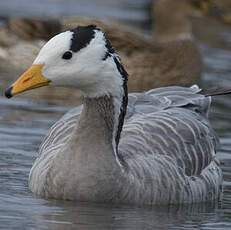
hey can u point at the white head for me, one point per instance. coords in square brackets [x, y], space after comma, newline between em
[81, 58]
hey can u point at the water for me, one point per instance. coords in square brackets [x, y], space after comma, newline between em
[25, 120]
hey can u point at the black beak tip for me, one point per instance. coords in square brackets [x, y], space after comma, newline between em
[8, 92]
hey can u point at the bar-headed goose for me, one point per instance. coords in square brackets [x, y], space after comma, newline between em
[156, 147]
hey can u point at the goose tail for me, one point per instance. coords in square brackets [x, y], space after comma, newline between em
[216, 91]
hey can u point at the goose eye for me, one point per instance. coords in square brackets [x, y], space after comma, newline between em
[67, 55]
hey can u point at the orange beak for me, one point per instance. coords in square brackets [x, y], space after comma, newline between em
[31, 79]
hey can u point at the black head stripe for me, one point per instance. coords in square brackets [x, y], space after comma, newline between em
[82, 35]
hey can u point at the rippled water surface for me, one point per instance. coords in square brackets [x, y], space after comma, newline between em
[25, 120]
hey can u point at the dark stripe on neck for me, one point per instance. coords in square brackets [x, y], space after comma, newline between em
[124, 103]
[110, 50]
[82, 35]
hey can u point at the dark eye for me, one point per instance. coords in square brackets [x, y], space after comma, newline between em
[67, 55]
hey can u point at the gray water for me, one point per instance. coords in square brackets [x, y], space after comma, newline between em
[25, 120]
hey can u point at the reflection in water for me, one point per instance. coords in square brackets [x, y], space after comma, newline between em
[123, 217]
[25, 120]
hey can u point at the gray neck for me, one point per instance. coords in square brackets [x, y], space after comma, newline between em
[97, 119]
[91, 153]
[95, 136]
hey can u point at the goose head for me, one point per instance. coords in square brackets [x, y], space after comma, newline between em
[82, 58]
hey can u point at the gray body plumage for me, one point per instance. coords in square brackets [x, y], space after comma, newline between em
[166, 152]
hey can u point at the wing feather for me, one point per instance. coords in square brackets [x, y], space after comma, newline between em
[171, 122]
